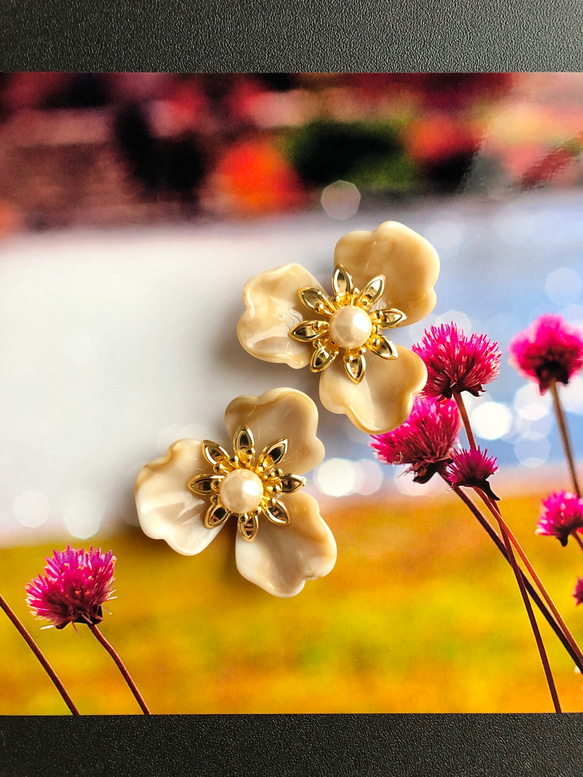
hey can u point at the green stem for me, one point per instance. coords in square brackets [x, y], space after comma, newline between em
[121, 666]
[39, 654]
[564, 432]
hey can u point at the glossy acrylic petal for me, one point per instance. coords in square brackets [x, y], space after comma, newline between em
[409, 263]
[282, 558]
[273, 308]
[383, 398]
[281, 412]
[167, 509]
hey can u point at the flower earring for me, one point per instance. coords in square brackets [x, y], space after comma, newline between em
[188, 495]
[382, 280]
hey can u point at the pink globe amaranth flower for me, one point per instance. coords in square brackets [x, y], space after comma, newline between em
[74, 587]
[548, 350]
[424, 441]
[562, 516]
[456, 362]
[578, 592]
[472, 468]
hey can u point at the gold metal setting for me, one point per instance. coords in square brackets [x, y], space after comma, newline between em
[317, 331]
[273, 480]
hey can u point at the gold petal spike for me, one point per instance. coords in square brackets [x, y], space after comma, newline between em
[372, 292]
[277, 513]
[272, 454]
[213, 452]
[316, 300]
[354, 365]
[204, 485]
[308, 330]
[248, 526]
[216, 515]
[384, 348]
[322, 358]
[291, 483]
[342, 281]
[243, 443]
[387, 318]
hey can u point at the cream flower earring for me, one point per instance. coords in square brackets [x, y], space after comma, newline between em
[382, 279]
[188, 495]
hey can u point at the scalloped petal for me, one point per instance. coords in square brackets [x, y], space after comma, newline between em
[408, 261]
[272, 308]
[282, 558]
[383, 398]
[281, 412]
[167, 509]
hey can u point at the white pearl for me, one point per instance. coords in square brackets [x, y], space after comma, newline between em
[350, 327]
[241, 491]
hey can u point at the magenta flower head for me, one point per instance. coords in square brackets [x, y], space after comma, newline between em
[578, 592]
[424, 441]
[562, 516]
[472, 468]
[456, 362]
[74, 587]
[548, 350]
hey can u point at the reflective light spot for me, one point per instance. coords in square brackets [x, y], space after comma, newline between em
[529, 403]
[563, 286]
[532, 453]
[370, 477]
[178, 432]
[405, 484]
[445, 235]
[31, 509]
[337, 477]
[491, 420]
[82, 513]
[461, 320]
[572, 395]
[340, 200]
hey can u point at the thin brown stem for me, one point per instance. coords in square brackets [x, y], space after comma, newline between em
[459, 400]
[564, 432]
[574, 654]
[577, 539]
[39, 654]
[121, 666]
[495, 510]
[529, 611]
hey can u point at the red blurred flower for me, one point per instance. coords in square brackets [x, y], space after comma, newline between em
[578, 592]
[548, 350]
[562, 515]
[424, 441]
[74, 587]
[472, 468]
[455, 362]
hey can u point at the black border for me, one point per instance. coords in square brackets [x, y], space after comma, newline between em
[291, 745]
[291, 35]
[279, 36]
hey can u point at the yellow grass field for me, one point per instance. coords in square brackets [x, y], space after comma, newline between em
[420, 614]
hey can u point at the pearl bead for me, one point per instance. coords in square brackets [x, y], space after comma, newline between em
[241, 491]
[350, 327]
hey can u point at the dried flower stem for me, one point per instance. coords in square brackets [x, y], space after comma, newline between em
[459, 400]
[121, 666]
[528, 606]
[564, 432]
[574, 653]
[495, 510]
[39, 654]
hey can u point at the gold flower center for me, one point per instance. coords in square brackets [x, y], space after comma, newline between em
[350, 327]
[241, 491]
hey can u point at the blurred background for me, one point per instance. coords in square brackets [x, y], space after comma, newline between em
[133, 208]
